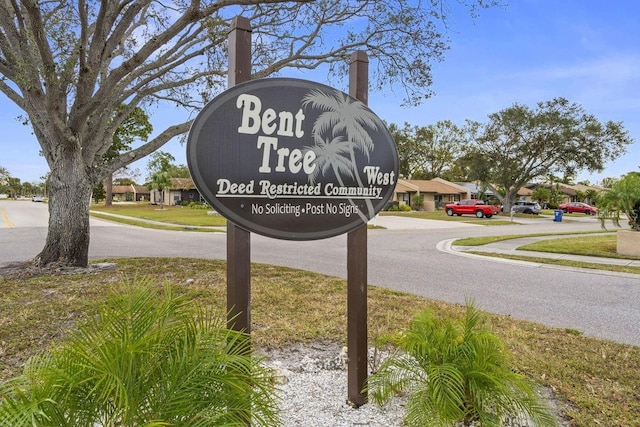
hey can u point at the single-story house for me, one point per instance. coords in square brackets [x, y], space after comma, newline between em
[436, 192]
[475, 189]
[130, 193]
[569, 192]
[180, 190]
[524, 194]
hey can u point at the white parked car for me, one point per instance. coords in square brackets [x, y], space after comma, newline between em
[522, 206]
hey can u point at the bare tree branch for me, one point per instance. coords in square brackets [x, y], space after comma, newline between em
[72, 64]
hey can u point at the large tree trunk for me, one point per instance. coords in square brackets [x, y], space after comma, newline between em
[108, 186]
[69, 198]
[507, 200]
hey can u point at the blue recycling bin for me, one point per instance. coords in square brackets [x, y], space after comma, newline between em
[557, 216]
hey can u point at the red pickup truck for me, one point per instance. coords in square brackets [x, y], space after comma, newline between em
[472, 207]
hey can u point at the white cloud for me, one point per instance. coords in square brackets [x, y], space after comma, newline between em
[619, 70]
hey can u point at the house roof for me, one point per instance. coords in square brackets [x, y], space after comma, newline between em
[141, 189]
[563, 188]
[182, 183]
[460, 188]
[474, 187]
[524, 191]
[567, 189]
[121, 189]
[585, 188]
[436, 185]
[403, 186]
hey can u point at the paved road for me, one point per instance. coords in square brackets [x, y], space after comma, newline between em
[599, 304]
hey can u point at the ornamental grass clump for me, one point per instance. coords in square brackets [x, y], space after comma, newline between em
[456, 372]
[622, 200]
[148, 359]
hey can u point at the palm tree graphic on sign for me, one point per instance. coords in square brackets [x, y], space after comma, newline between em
[339, 131]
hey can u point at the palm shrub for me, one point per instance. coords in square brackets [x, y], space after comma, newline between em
[417, 202]
[148, 359]
[623, 198]
[456, 372]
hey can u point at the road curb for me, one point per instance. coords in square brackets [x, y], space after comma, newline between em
[447, 246]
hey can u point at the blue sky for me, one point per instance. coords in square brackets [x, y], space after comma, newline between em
[587, 51]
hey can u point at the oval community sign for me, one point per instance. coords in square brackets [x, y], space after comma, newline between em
[292, 159]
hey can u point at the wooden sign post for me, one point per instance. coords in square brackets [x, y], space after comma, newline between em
[239, 239]
[357, 348]
[296, 160]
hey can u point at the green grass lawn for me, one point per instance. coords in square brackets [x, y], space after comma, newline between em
[594, 244]
[171, 215]
[597, 381]
[484, 240]
[603, 245]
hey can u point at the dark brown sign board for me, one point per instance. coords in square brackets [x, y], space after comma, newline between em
[292, 159]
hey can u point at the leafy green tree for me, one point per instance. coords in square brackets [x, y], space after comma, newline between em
[146, 359]
[608, 182]
[99, 192]
[541, 194]
[124, 181]
[160, 181]
[520, 144]
[410, 151]
[12, 186]
[464, 168]
[160, 161]
[4, 175]
[135, 126]
[556, 197]
[444, 142]
[9, 184]
[456, 372]
[161, 169]
[622, 200]
[69, 66]
[427, 152]
[30, 189]
[178, 171]
[591, 196]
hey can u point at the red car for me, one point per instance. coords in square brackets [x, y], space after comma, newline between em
[577, 207]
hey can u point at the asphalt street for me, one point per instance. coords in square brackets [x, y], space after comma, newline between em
[405, 256]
